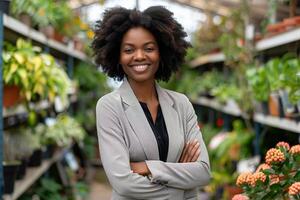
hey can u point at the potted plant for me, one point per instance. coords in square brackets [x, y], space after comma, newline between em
[36, 74]
[260, 87]
[277, 178]
[10, 163]
[4, 6]
[20, 139]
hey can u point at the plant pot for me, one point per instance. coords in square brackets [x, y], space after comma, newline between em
[49, 151]
[22, 169]
[275, 105]
[276, 28]
[78, 44]
[25, 19]
[11, 95]
[35, 159]
[232, 190]
[4, 6]
[292, 21]
[48, 31]
[59, 37]
[287, 106]
[9, 173]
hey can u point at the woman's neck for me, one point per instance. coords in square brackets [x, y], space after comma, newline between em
[144, 91]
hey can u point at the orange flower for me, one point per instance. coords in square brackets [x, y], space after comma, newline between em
[274, 179]
[295, 149]
[262, 167]
[284, 145]
[244, 178]
[258, 176]
[239, 197]
[274, 156]
[294, 189]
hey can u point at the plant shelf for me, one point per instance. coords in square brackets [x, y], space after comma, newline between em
[209, 58]
[20, 28]
[278, 40]
[277, 122]
[228, 109]
[32, 174]
[20, 109]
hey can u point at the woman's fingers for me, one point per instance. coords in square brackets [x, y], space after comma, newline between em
[183, 154]
[192, 151]
[196, 155]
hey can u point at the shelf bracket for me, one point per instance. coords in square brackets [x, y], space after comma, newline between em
[1, 105]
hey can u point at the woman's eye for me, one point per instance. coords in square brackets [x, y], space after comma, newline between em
[149, 49]
[128, 50]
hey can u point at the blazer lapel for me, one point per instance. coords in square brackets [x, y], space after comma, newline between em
[139, 122]
[176, 139]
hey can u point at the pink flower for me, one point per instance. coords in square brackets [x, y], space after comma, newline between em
[294, 189]
[284, 145]
[240, 197]
[274, 156]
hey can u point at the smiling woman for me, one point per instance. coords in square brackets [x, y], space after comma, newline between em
[150, 143]
[139, 55]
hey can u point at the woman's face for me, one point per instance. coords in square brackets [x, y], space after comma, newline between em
[139, 55]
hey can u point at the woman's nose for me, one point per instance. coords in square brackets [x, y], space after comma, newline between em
[139, 55]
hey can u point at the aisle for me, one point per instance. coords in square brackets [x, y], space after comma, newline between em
[100, 189]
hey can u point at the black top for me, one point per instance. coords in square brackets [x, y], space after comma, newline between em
[160, 131]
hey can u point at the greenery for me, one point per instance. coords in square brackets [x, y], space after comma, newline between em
[277, 178]
[226, 92]
[260, 87]
[232, 147]
[43, 12]
[36, 74]
[63, 132]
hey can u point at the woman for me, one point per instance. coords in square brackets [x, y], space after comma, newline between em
[150, 143]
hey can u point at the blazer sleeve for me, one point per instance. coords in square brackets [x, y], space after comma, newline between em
[184, 175]
[115, 158]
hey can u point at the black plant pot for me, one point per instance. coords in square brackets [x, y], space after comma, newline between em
[35, 159]
[265, 107]
[9, 173]
[4, 6]
[49, 151]
[22, 169]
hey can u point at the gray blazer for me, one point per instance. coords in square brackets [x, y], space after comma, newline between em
[125, 136]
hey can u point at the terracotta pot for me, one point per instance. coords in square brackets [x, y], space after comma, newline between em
[275, 105]
[291, 22]
[232, 190]
[276, 28]
[11, 95]
[59, 37]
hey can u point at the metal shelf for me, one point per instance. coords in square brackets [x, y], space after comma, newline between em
[32, 174]
[264, 44]
[28, 32]
[278, 40]
[209, 58]
[276, 122]
[281, 123]
[230, 109]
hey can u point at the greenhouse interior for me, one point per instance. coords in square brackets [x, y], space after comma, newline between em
[237, 62]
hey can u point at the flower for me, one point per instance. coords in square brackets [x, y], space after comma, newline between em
[239, 197]
[274, 179]
[274, 156]
[294, 189]
[244, 178]
[258, 176]
[262, 167]
[295, 149]
[284, 145]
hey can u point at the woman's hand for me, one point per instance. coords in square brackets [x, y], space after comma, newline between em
[191, 152]
[140, 168]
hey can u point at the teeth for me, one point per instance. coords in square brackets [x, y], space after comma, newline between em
[140, 68]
